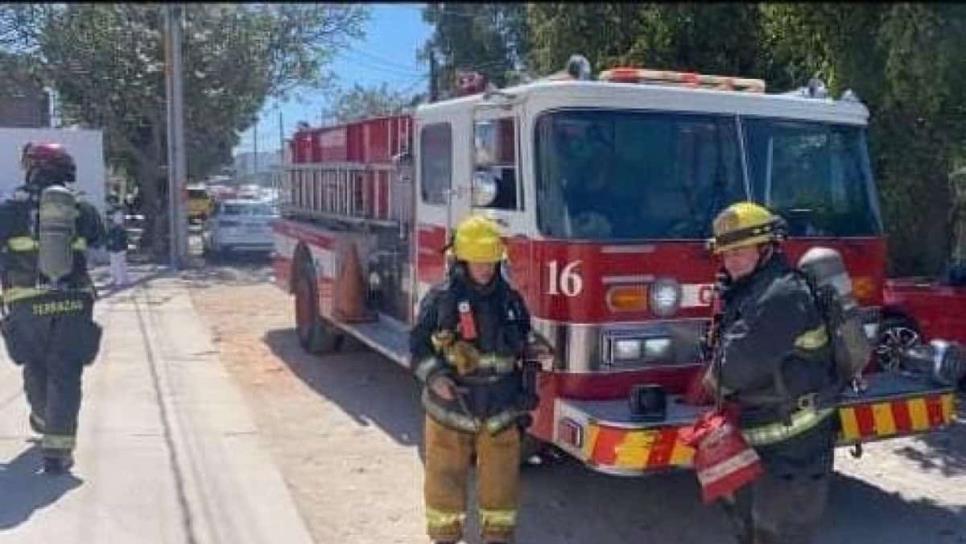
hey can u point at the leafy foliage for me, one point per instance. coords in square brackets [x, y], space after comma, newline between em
[724, 38]
[904, 61]
[491, 39]
[360, 102]
[107, 63]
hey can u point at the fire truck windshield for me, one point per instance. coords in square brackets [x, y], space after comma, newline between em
[815, 175]
[622, 175]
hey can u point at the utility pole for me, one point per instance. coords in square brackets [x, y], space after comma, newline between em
[178, 232]
[255, 145]
[281, 140]
[433, 87]
[280, 171]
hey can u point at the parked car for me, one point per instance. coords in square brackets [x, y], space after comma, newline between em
[240, 225]
[249, 192]
[199, 203]
[919, 309]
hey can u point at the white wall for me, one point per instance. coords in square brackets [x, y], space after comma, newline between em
[86, 146]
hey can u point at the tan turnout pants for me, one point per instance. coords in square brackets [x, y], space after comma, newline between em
[449, 458]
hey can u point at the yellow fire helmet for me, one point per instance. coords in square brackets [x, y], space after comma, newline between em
[477, 240]
[745, 224]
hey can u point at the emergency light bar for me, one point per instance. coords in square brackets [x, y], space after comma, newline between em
[682, 79]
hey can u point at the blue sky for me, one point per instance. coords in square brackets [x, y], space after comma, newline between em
[387, 54]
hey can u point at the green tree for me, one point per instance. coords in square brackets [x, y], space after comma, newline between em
[723, 38]
[107, 63]
[361, 102]
[491, 39]
[905, 61]
[601, 32]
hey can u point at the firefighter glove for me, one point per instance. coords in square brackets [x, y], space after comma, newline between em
[464, 356]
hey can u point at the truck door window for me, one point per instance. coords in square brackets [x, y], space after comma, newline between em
[494, 163]
[436, 162]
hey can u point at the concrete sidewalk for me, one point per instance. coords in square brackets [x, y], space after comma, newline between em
[167, 450]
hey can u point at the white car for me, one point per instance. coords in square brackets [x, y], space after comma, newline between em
[240, 225]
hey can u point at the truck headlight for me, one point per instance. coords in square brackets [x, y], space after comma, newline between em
[656, 349]
[640, 349]
[665, 297]
[627, 349]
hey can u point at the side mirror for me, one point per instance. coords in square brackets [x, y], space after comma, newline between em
[484, 188]
[486, 143]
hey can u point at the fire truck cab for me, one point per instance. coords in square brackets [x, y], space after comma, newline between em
[606, 190]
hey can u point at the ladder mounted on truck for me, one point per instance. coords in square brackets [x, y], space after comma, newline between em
[349, 173]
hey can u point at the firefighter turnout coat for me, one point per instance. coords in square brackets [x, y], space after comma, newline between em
[775, 360]
[475, 336]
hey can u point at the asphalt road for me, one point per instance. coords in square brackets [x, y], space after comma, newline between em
[345, 431]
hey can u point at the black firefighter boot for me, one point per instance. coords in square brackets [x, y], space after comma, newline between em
[57, 463]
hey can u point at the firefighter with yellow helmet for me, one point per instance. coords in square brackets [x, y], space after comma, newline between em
[48, 295]
[466, 349]
[773, 358]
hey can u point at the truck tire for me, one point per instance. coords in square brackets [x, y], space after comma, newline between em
[896, 333]
[314, 335]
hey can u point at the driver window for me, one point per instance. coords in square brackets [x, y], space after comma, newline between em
[494, 164]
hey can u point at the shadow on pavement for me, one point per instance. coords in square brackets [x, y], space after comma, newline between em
[366, 386]
[945, 452]
[109, 290]
[24, 491]
[563, 502]
[860, 512]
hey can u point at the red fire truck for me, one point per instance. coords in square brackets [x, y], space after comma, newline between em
[606, 190]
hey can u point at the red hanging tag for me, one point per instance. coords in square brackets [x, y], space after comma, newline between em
[467, 322]
[723, 460]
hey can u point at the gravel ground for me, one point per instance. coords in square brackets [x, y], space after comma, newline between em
[346, 432]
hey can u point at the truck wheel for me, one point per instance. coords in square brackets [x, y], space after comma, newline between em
[896, 334]
[314, 336]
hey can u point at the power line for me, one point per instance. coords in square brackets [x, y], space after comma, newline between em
[380, 60]
[449, 10]
[413, 85]
[365, 64]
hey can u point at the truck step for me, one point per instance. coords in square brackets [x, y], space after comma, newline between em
[386, 335]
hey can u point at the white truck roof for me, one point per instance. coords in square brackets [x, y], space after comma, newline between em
[646, 96]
